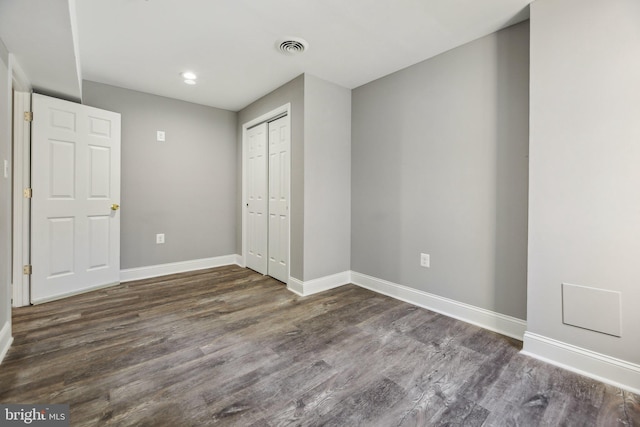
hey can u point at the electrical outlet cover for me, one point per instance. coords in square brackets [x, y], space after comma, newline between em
[425, 260]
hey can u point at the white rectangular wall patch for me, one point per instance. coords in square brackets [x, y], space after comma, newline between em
[591, 308]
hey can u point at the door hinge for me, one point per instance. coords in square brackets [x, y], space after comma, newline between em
[28, 193]
[27, 269]
[28, 116]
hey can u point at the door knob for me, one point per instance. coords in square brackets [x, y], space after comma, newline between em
[115, 207]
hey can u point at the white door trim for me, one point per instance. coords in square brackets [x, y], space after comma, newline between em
[21, 151]
[284, 109]
[21, 205]
[19, 79]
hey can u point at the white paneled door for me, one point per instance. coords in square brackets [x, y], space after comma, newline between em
[279, 199]
[267, 175]
[75, 240]
[256, 175]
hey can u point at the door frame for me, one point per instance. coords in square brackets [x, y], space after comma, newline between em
[21, 206]
[283, 109]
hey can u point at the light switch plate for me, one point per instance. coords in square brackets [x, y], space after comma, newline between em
[160, 136]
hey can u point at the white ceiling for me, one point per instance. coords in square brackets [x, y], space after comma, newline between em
[145, 44]
[39, 33]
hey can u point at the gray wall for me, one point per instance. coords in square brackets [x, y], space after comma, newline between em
[439, 165]
[584, 205]
[5, 196]
[184, 187]
[292, 92]
[327, 178]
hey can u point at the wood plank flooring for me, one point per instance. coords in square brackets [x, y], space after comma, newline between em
[228, 346]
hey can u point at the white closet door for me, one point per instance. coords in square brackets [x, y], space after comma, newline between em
[75, 240]
[257, 230]
[279, 165]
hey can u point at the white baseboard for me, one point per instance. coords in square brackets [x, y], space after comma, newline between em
[585, 362]
[296, 286]
[500, 323]
[176, 267]
[240, 261]
[321, 284]
[5, 339]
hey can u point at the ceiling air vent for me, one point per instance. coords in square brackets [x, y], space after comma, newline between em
[292, 45]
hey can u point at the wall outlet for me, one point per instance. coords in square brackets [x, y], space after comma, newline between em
[159, 239]
[425, 260]
[160, 136]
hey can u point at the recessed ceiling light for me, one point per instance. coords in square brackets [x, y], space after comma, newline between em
[190, 81]
[189, 75]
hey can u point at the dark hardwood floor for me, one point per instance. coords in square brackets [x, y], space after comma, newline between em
[227, 346]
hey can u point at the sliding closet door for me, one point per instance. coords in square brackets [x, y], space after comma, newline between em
[256, 174]
[279, 169]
